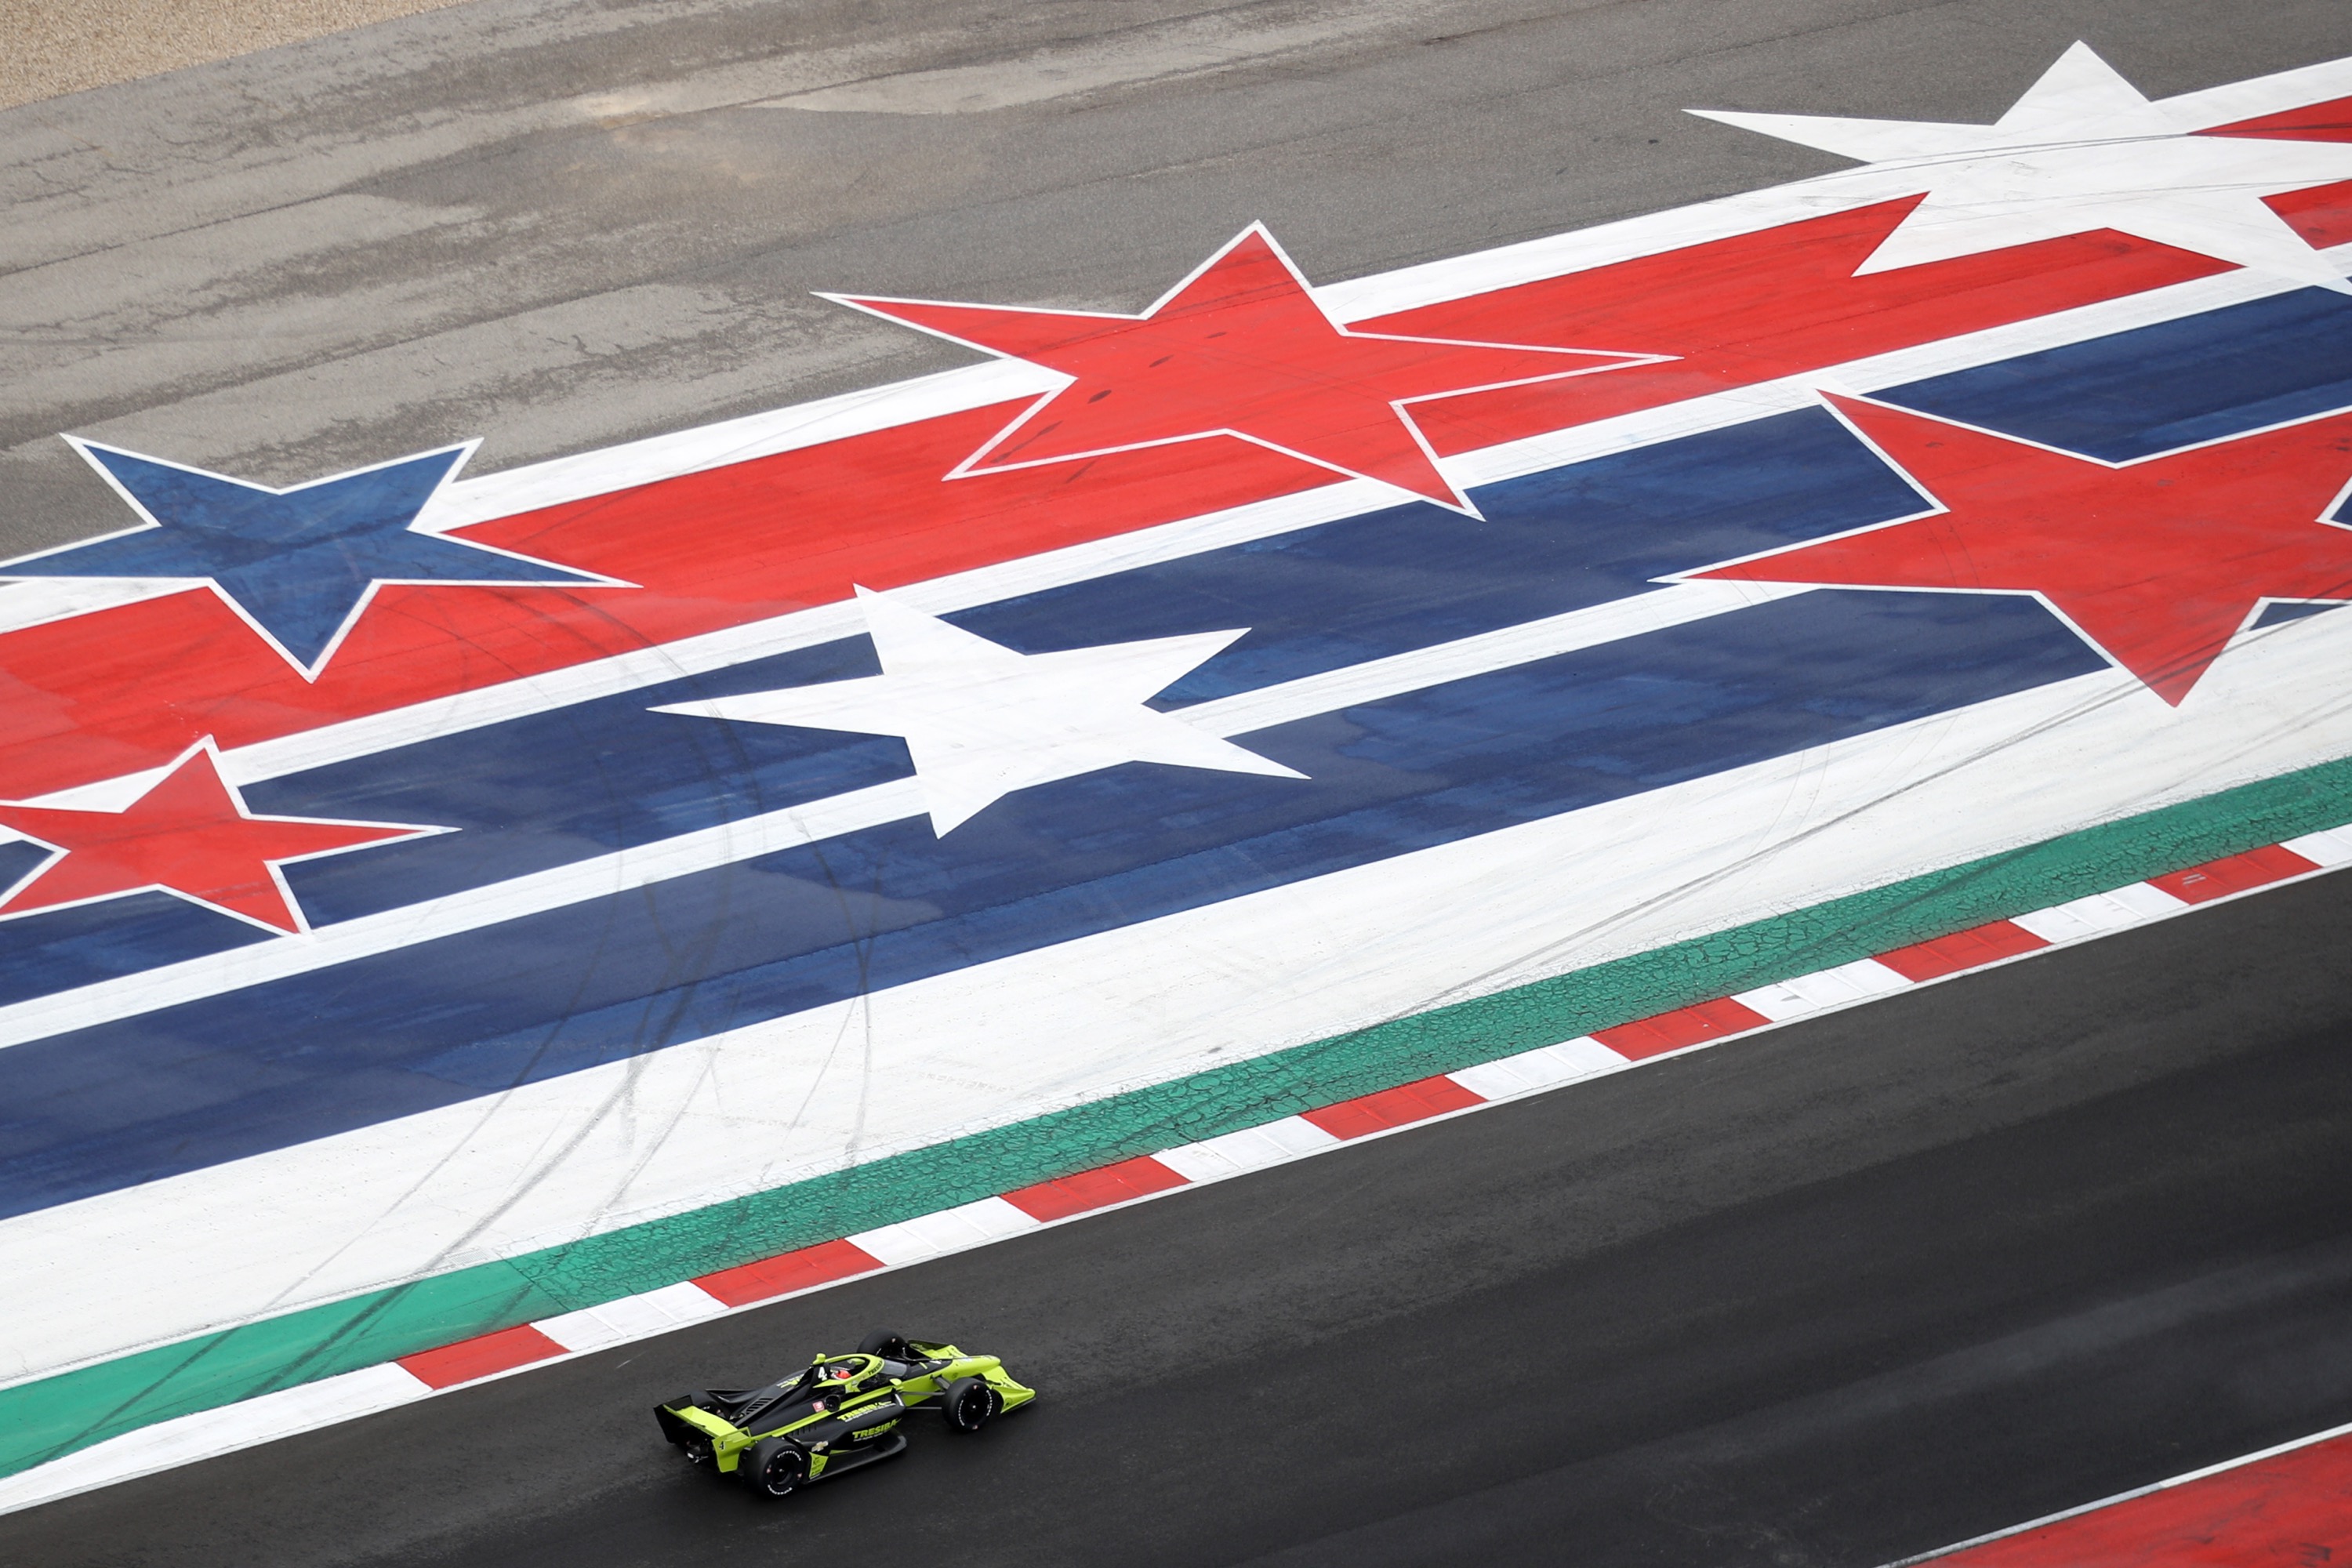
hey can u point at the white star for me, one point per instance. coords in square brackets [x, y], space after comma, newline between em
[982, 720]
[2083, 150]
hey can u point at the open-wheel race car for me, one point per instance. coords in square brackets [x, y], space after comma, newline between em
[843, 1413]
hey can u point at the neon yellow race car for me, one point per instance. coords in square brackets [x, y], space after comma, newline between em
[841, 1413]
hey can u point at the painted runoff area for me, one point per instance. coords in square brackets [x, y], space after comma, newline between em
[1650, 871]
[1156, 1054]
[2283, 1507]
[1141, 1178]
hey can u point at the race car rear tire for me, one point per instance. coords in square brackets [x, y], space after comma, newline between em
[773, 1468]
[967, 1403]
[883, 1343]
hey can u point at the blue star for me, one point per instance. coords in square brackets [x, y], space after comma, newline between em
[300, 565]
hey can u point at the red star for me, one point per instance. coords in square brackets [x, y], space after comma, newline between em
[190, 835]
[2156, 562]
[1241, 348]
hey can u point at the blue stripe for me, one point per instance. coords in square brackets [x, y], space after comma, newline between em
[61, 948]
[2160, 387]
[585, 780]
[446, 1021]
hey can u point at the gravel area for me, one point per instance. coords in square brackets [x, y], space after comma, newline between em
[56, 46]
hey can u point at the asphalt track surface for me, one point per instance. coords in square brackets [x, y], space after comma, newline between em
[1865, 1285]
[1846, 1291]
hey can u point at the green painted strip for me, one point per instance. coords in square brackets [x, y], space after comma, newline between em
[55, 1416]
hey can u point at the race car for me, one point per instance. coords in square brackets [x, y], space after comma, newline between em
[843, 1413]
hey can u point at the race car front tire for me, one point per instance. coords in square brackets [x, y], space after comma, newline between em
[967, 1403]
[774, 1467]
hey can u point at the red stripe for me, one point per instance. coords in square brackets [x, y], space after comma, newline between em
[1399, 1107]
[1090, 1190]
[1683, 1026]
[1752, 307]
[1961, 949]
[101, 695]
[797, 1270]
[2234, 874]
[2329, 122]
[469, 1359]
[2294, 1510]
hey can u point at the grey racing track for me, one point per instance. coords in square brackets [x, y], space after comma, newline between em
[1834, 1295]
[1841, 1293]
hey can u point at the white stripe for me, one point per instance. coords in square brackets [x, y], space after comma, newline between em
[710, 848]
[1251, 1149]
[456, 913]
[1420, 668]
[1547, 1067]
[949, 1230]
[631, 1317]
[1840, 987]
[2099, 914]
[2331, 846]
[795, 429]
[1010, 1039]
